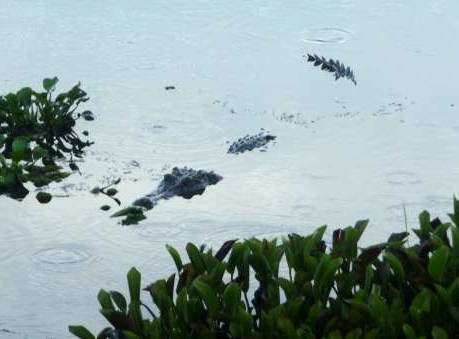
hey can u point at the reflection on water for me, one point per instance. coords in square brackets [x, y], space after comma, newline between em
[343, 152]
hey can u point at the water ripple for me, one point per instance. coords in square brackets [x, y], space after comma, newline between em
[62, 257]
[402, 178]
[327, 35]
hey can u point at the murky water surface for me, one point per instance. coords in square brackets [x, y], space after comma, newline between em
[342, 152]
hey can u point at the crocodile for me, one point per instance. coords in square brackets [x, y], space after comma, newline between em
[182, 182]
[250, 142]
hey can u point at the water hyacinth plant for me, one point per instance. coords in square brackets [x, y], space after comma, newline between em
[36, 128]
[333, 66]
[328, 290]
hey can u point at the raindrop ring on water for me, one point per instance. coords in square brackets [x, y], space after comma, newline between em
[327, 35]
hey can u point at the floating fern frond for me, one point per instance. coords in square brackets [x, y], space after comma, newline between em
[333, 66]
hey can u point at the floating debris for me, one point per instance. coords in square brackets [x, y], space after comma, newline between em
[333, 66]
[43, 197]
[250, 142]
[169, 88]
[111, 192]
[88, 116]
[108, 190]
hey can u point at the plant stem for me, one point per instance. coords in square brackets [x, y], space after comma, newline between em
[149, 310]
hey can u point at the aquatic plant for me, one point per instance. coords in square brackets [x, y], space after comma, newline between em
[108, 191]
[133, 215]
[333, 66]
[333, 289]
[36, 128]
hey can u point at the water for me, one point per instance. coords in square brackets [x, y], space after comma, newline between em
[342, 152]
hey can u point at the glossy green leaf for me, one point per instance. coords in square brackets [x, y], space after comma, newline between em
[241, 326]
[105, 300]
[134, 284]
[24, 96]
[175, 256]
[396, 266]
[195, 258]
[119, 300]
[232, 297]
[49, 84]
[437, 263]
[208, 295]
[81, 332]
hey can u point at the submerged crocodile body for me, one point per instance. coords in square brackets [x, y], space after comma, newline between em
[250, 142]
[183, 182]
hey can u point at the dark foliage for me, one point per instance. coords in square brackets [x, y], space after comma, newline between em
[387, 290]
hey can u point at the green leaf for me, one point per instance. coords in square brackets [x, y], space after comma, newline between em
[104, 300]
[437, 263]
[135, 315]
[195, 258]
[119, 300]
[426, 228]
[421, 303]
[288, 287]
[355, 334]
[396, 266]
[176, 256]
[181, 304]
[134, 284]
[19, 148]
[369, 275]
[208, 295]
[360, 226]
[81, 332]
[409, 332]
[453, 290]
[43, 197]
[328, 279]
[241, 326]
[24, 96]
[161, 296]
[439, 333]
[130, 335]
[319, 233]
[287, 328]
[232, 297]
[38, 152]
[49, 84]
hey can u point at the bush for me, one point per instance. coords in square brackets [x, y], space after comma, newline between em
[337, 290]
[38, 127]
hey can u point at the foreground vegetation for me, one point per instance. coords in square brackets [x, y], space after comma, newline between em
[330, 290]
[36, 129]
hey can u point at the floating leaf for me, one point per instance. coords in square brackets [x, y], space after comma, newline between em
[339, 69]
[88, 116]
[49, 84]
[43, 197]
